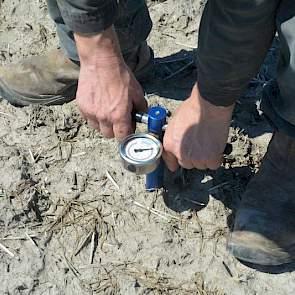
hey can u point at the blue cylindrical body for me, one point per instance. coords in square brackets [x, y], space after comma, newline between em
[155, 179]
[157, 117]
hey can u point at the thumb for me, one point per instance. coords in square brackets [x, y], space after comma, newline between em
[171, 161]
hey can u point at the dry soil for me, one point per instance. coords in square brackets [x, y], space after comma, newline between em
[76, 223]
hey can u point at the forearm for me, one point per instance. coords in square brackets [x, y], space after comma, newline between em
[233, 41]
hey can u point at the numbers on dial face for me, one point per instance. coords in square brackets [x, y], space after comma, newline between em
[142, 149]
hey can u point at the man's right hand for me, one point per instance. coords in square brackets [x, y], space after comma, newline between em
[107, 90]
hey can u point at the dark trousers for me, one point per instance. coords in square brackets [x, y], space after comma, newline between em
[279, 97]
[134, 25]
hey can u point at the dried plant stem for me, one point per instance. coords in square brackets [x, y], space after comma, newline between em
[6, 250]
[112, 180]
[83, 243]
[218, 186]
[17, 238]
[33, 243]
[156, 212]
[92, 248]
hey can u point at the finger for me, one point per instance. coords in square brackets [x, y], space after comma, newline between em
[121, 130]
[90, 119]
[93, 124]
[214, 164]
[106, 129]
[186, 164]
[199, 165]
[85, 115]
[171, 161]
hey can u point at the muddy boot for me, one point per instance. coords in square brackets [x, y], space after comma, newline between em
[52, 78]
[264, 229]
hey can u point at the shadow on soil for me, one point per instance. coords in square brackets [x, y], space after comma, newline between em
[175, 75]
[185, 191]
[174, 79]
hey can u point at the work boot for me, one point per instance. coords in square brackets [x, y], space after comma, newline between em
[264, 229]
[53, 78]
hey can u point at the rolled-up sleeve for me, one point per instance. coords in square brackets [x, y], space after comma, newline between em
[234, 38]
[88, 16]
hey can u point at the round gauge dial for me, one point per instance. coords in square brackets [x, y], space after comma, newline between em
[141, 153]
[142, 149]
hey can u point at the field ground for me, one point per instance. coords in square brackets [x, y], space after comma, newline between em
[71, 230]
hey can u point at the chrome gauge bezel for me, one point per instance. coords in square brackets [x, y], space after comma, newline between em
[138, 166]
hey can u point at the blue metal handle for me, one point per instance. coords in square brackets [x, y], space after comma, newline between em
[157, 117]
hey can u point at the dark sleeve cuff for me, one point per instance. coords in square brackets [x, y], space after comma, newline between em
[88, 16]
[223, 96]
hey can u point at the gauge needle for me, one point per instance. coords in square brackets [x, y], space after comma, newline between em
[142, 150]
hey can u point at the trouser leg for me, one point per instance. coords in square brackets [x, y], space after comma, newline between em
[133, 26]
[65, 35]
[279, 97]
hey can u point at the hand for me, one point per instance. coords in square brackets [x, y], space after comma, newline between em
[106, 98]
[107, 90]
[197, 134]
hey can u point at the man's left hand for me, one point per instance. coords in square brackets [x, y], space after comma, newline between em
[197, 134]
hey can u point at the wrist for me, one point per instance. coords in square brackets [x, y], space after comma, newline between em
[101, 50]
[209, 109]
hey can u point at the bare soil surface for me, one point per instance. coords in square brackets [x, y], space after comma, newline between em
[73, 221]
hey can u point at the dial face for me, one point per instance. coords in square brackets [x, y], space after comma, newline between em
[142, 149]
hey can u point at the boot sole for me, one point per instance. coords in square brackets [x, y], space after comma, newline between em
[256, 255]
[19, 99]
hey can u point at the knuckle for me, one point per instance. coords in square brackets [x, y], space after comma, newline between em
[167, 146]
[83, 108]
[122, 131]
[185, 157]
[119, 113]
[177, 153]
[116, 116]
[102, 117]
[186, 166]
[170, 147]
